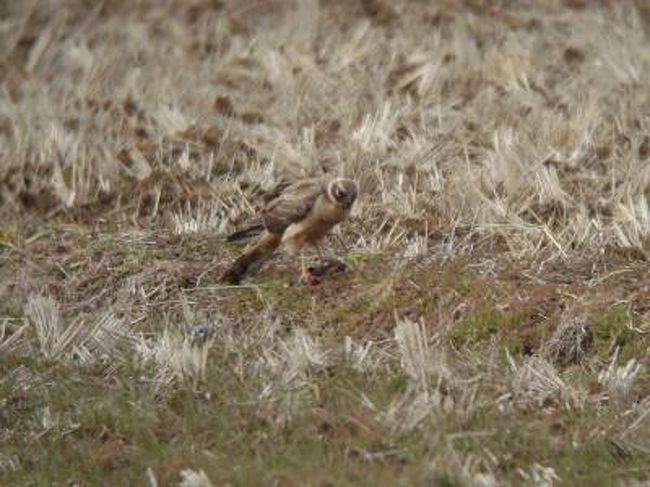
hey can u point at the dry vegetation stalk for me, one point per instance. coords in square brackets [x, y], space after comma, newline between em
[494, 327]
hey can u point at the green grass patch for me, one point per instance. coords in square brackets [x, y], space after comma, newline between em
[613, 330]
[477, 328]
[357, 257]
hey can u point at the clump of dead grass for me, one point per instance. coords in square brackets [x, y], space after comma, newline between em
[176, 359]
[107, 339]
[618, 380]
[569, 343]
[462, 128]
[474, 126]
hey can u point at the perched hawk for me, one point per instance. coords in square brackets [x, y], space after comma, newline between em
[302, 214]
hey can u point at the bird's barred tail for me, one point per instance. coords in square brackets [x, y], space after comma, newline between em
[252, 258]
[249, 231]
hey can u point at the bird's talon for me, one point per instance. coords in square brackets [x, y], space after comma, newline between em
[310, 278]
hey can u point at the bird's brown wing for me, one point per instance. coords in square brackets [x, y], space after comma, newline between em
[293, 205]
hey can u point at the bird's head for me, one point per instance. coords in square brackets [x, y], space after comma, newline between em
[343, 191]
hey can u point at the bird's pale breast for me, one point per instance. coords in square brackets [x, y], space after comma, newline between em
[315, 226]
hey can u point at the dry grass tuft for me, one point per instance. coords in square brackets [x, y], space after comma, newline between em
[619, 381]
[191, 478]
[517, 127]
[107, 340]
[569, 343]
[13, 342]
[492, 328]
[177, 358]
[537, 383]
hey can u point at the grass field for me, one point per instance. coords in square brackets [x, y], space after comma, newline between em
[494, 325]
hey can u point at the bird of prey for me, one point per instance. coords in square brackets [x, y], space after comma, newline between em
[302, 214]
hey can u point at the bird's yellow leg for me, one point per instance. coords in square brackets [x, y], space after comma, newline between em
[320, 252]
[304, 273]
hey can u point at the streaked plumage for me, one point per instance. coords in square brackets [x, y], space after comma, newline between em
[302, 214]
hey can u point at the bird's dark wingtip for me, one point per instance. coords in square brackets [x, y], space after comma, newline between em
[245, 233]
